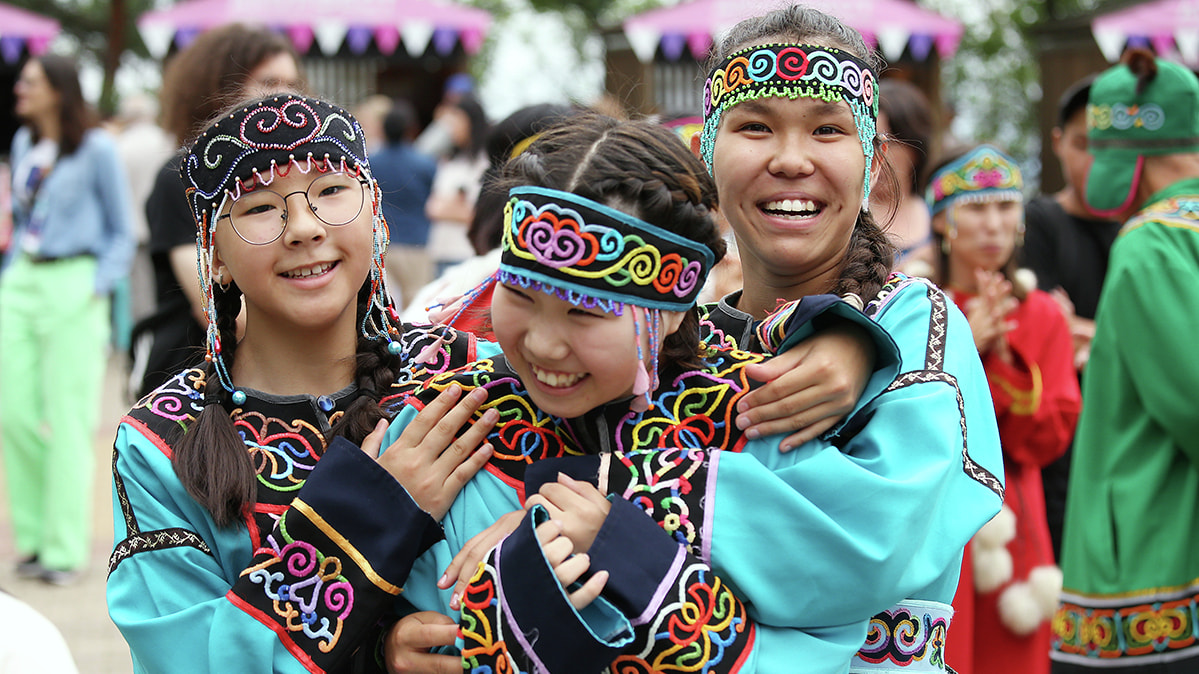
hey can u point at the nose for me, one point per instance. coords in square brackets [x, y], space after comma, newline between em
[302, 224]
[791, 156]
[545, 341]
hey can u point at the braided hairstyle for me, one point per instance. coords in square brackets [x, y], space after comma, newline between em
[211, 459]
[871, 253]
[637, 167]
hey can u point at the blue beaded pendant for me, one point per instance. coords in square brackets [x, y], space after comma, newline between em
[394, 348]
[325, 403]
[239, 397]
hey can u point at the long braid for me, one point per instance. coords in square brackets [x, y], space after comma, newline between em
[211, 460]
[375, 370]
[868, 261]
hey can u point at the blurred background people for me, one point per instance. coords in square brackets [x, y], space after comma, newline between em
[905, 118]
[1067, 247]
[72, 242]
[405, 177]
[1130, 556]
[1009, 586]
[451, 204]
[219, 67]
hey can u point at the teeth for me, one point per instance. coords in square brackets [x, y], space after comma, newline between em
[309, 271]
[791, 207]
[557, 379]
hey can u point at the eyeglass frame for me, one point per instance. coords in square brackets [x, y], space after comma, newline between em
[363, 182]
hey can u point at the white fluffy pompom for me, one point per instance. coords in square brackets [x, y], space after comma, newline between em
[997, 532]
[1046, 582]
[1019, 609]
[992, 568]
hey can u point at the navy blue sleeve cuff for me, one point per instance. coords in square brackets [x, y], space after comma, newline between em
[366, 506]
[639, 557]
[540, 473]
[566, 640]
[818, 312]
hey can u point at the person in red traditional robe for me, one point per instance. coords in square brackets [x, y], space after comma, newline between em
[1009, 585]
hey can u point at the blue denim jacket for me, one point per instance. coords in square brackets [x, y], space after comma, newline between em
[88, 208]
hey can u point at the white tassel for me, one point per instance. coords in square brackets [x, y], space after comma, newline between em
[992, 568]
[1046, 582]
[1019, 610]
[999, 531]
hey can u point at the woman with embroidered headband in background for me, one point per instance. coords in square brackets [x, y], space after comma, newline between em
[251, 534]
[1009, 585]
[609, 234]
[790, 138]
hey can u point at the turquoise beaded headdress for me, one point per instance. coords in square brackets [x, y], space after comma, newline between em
[593, 255]
[793, 71]
[263, 140]
[982, 174]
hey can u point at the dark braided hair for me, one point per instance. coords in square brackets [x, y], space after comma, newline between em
[871, 254]
[637, 167]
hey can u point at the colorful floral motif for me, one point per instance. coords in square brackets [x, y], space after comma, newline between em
[982, 174]
[911, 635]
[1135, 627]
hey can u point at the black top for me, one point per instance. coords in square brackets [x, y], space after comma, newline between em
[170, 338]
[1068, 251]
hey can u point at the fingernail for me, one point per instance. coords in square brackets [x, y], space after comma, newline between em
[742, 422]
[454, 602]
[753, 434]
[491, 414]
[479, 393]
[742, 406]
[784, 446]
[454, 388]
[441, 582]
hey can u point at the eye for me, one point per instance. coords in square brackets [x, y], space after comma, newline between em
[754, 127]
[828, 130]
[517, 293]
[588, 313]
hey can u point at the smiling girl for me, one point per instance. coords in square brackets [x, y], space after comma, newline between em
[252, 535]
[791, 106]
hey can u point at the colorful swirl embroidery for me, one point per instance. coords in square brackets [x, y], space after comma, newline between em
[563, 241]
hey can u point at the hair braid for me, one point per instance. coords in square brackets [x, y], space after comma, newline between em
[868, 261]
[375, 370]
[211, 459]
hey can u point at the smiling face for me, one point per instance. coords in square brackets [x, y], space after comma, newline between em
[789, 174]
[571, 359]
[306, 280]
[982, 235]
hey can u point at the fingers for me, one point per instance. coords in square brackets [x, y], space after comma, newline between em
[373, 442]
[472, 438]
[462, 568]
[582, 597]
[809, 432]
[433, 412]
[407, 645]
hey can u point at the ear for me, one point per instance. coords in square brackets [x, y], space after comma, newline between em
[1056, 140]
[671, 320]
[695, 143]
[217, 271]
[941, 221]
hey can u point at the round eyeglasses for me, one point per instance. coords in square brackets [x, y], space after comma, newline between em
[260, 216]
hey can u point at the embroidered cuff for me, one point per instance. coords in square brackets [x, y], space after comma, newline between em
[640, 558]
[542, 619]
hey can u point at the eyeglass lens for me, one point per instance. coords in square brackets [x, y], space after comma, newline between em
[261, 215]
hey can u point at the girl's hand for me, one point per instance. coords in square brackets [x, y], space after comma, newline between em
[406, 649]
[810, 387]
[987, 313]
[462, 568]
[427, 459]
[577, 505]
[569, 567]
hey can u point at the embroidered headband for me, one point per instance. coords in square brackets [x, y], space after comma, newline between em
[250, 148]
[793, 71]
[982, 174]
[593, 255]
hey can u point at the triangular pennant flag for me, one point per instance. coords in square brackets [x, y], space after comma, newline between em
[359, 38]
[157, 38]
[387, 38]
[10, 48]
[1188, 45]
[644, 42]
[699, 44]
[920, 46]
[416, 36]
[672, 46]
[301, 36]
[329, 36]
[892, 40]
[947, 44]
[1111, 43]
[471, 39]
[444, 40]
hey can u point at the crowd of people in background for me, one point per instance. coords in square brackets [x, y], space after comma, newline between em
[960, 406]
